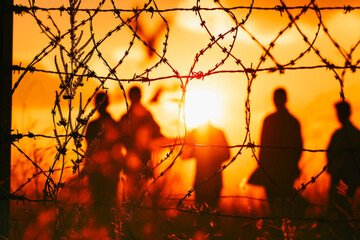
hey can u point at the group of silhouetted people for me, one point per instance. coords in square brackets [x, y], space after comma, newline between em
[279, 155]
[126, 146]
[114, 147]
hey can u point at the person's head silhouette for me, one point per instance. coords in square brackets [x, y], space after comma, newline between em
[280, 98]
[101, 101]
[343, 111]
[135, 95]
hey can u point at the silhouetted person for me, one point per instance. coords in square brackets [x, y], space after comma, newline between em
[138, 128]
[138, 131]
[209, 160]
[102, 164]
[343, 164]
[279, 156]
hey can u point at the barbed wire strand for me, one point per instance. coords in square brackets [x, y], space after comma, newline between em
[71, 78]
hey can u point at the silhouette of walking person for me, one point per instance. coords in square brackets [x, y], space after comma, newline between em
[208, 161]
[102, 166]
[281, 143]
[344, 168]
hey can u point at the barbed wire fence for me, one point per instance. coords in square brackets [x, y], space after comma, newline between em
[73, 69]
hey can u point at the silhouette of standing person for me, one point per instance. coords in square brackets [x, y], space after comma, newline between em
[208, 161]
[102, 166]
[138, 131]
[344, 168]
[281, 143]
[138, 128]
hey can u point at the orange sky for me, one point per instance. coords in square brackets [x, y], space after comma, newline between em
[312, 92]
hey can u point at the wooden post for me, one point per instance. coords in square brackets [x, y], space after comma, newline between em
[6, 36]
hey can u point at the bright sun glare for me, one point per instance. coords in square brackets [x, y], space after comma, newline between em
[201, 105]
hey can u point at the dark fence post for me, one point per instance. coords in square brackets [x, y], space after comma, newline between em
[6, 36]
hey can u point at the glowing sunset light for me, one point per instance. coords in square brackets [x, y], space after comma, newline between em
[202, 105]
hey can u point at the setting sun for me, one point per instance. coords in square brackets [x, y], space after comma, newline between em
[202, 105]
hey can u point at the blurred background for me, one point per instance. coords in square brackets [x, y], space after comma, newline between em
[219, 97]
